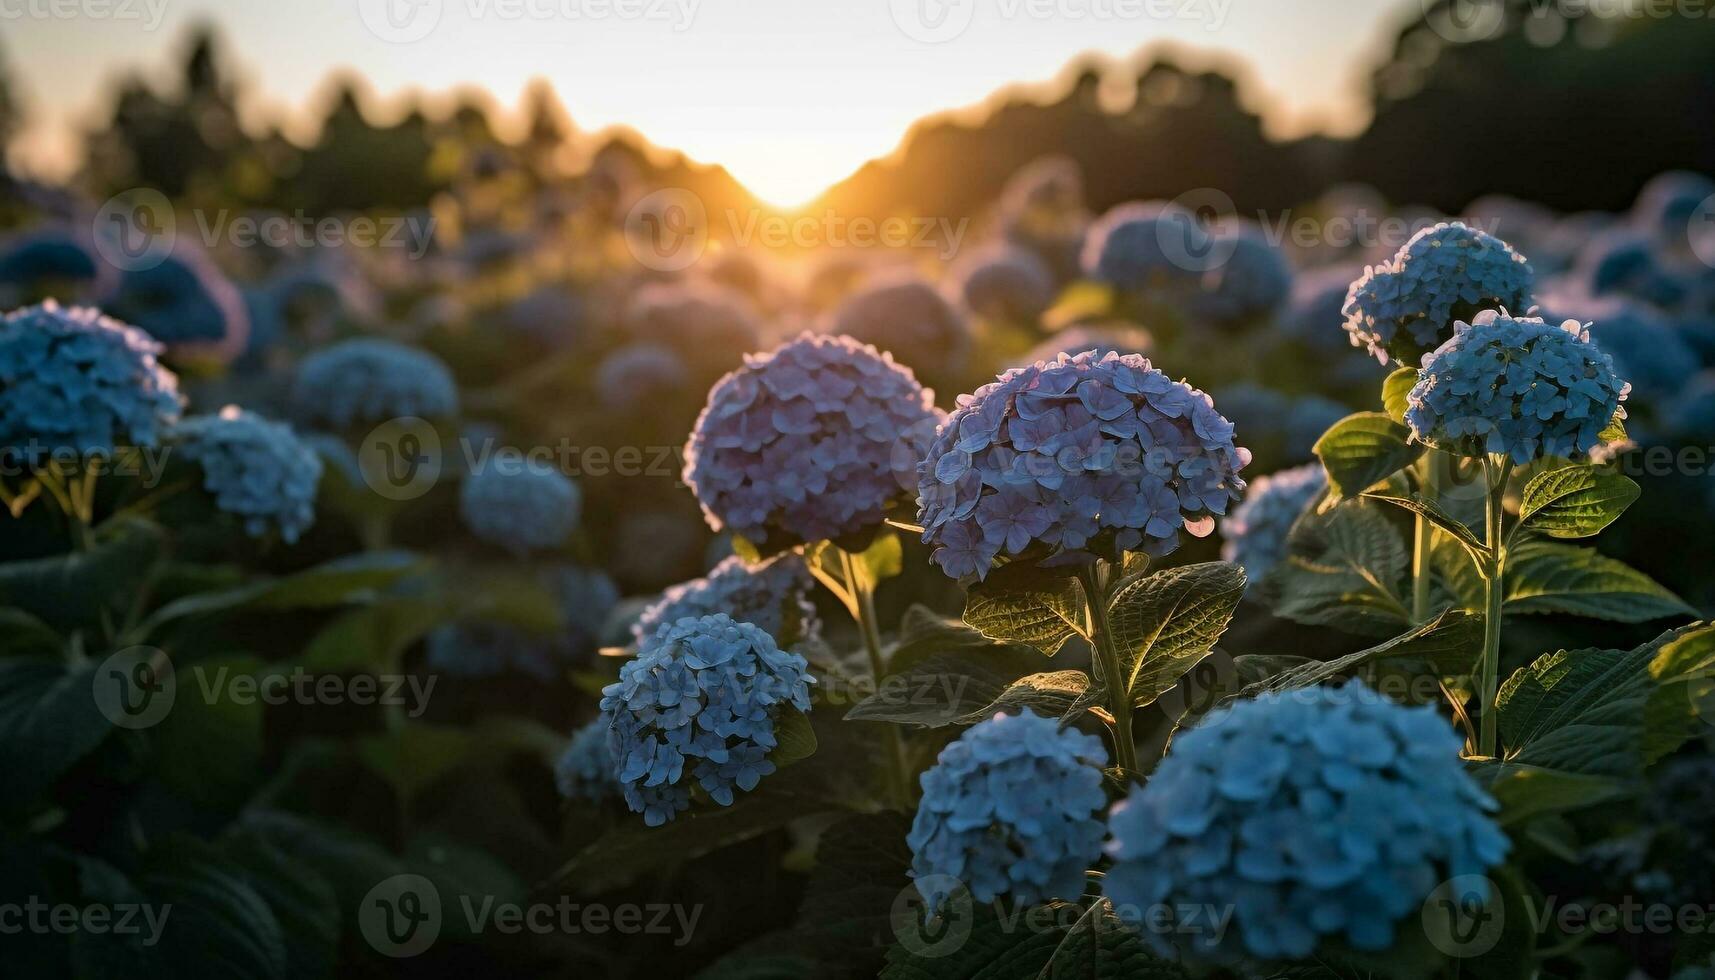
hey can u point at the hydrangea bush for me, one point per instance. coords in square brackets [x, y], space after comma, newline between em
[809, 442]
[1012, 808]
[520, 504]
[700, 702]
[1314, 814]
[773, 595]
[1080, 455]
[258, 470]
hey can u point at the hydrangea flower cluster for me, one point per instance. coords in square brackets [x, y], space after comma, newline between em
[1141, 246]
[1253, 278]
[184, 301]
[52, 263]
[1312, 814]
[702, 694]
[700, 321]
[1646, 348]
[1517, 386]
[1256, 533]
[907, 317]
[72, 379]
[638, 375]
[258, 470]
[1101, 339]
[1084, 454]
[520, 504]
[808, 442]
[1314, 309]
[1012, 807]
[1624, 262]
[1007, 282]
[584, 771]
[368, 380]
[773, 595]
[586, 599]
[1406, 306]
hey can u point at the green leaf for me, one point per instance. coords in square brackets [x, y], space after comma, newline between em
[74, 589]
[1345, 568]
[375, 636]
[1557, 578]
[1599, 712]
[1679, 704]
[1395, 392]
[1364, 449]
[1449, 644]
[1053, 694]
[885, 558]
[302, 900]
[339, 582]
[1576, 501]
[209, 749]
[1165, 623]
[22, 634]
[1528, 792]
[1052, 940]
[48, 721]
[415, 755]
[795, 738]
[943, 673]
[1023, 603]
[219, 925]
[1432, 512]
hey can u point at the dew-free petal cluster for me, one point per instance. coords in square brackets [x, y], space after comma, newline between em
[1085, 454]
[1520, 386]
[183, 300]
[1013, 807]
[1311, 814]
[1249, 276]
[1147, 247]
[773, 595]
[479, 648]
[258, 470]
[1100, 338]
[520, 504]
[1008, 283]
[809, 442]
[51, 263]
[904, 315]
[1256, 532]
[637, 376]
[370, 380]
[699, 702]
[584, 771]
[1407, 306]
[74, 380]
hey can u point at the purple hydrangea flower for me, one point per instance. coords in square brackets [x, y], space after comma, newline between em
[1405, 307]
[257, 470]
[1083, 454]
[519, 504]
[1124, 339]
[1256, 533]
[584, 770]
[809, 442]
[1248, 276]
[700, 700]
[773, 595]
[1516, 386]
[639, 375]
[1008, 283]
[369, 380]
[1311, 814]
[1013, 807]
[1149, 248]
[904, 315]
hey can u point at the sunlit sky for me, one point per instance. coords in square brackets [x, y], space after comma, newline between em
[789, 95]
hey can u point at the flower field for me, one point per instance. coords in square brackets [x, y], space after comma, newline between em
[1118, 589]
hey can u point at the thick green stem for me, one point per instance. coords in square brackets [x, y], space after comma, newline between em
[863, 595]
[1421, 576]
[1494, 594]
[1119, 695]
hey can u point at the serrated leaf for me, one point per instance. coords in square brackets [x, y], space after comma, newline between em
[219, 924]
[1576, 501]
[1364, 449]
[1528, 792]
[1344, 568]
[336, 583]
[1449, 643]
[944, 671]
[48, 721]
[1020, 602]
[1557, 578]
[1054, 940]
[74, 589]
[794, 736]
[1395, 392]
[1432, 512]
[1164, 623]
[1053, 694]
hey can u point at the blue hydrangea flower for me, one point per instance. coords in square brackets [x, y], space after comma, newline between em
[1646, 349]
[51, 264]
[370, 380]
[639, 375]
[1692, 415]
[1099, 338]
[520, 504]
[586, 599]
[1667, 202]
[1080, 455]
[1256, 533]
[1008, 283]
[584, 771]
[1013, 807]
[72, 379]
[184, 302]
[1314, 311]
[1407, 306]
[1311, 814]
[903, 315]
[1147, 247]
[1622, 261]
[1517, 386]
[258, 470]
[809, 442]
[773, 595]
[700, 699]
[1248, 275]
